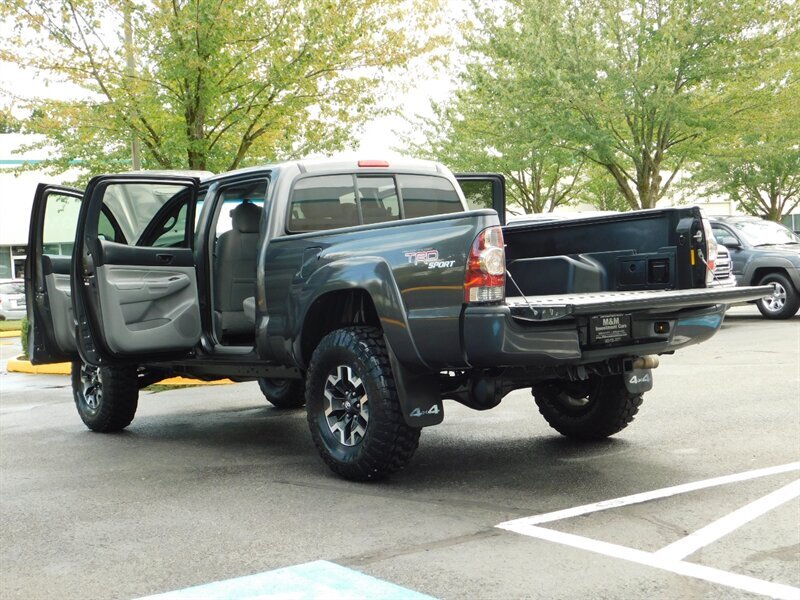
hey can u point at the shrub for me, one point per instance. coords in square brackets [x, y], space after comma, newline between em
[24, 336]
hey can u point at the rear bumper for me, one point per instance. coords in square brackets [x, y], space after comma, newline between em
[497, 336]
[12, 313]
[494, 338]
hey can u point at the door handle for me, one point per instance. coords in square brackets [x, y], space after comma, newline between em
[164, 259]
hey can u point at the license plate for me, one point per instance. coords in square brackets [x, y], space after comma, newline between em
[609, 329]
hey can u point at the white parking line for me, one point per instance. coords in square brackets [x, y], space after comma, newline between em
[679, 567]
[721, 527]
[669, 558]
[654, 495]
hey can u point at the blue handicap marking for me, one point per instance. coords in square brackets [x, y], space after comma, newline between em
[318, 580]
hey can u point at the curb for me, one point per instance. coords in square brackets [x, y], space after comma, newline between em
[10, 334]
[16, 365]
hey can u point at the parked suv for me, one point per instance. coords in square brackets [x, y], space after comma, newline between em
[12, 299]
[763, 252]
[723, 269]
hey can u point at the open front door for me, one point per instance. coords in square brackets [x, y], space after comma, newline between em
[133, 270]
[484, 190]
[51, 236]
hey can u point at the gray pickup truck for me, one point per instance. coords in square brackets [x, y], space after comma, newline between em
[368, 291]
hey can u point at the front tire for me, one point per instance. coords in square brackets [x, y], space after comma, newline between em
[784, 301]
[353, 407]
[106, 397]
[587, 410]
[283, 393]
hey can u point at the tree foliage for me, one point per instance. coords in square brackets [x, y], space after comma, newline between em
[599, 189]
[216, 84]
[492, 124]
[8, 122]
[757, 161]
[635, 87]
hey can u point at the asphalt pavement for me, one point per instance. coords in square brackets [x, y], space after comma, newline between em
[211, 483]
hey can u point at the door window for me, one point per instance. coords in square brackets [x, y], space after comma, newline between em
[478, 192]
[146, 214]
[60, 219]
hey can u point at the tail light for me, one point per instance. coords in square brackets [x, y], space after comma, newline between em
[485, 280]
[712, 251]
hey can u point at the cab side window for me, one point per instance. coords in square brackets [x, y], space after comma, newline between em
[323, 202]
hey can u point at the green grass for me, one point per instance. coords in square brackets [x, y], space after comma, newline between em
[158, 387]
[10, 325]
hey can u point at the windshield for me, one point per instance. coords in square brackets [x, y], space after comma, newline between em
[764, 233]
[12, 288]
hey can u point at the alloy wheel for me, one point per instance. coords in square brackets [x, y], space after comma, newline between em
[777, 300]
[347, 405]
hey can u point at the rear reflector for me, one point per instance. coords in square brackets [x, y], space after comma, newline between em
[373, 163]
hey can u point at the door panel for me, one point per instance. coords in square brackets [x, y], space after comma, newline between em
[149, 309]
[135, 300]
[61, 310]
[50, 242]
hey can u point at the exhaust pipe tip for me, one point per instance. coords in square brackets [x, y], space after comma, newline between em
[649, 361]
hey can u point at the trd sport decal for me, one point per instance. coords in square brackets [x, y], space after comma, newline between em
[429, 258]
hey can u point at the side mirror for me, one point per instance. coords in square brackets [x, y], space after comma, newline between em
[729, 242]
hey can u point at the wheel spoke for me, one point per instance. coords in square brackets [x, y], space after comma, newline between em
[346, 405]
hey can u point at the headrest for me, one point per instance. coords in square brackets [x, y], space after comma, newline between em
[317, 209]
[246, 218]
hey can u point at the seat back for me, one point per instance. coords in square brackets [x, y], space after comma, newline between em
[235, 269]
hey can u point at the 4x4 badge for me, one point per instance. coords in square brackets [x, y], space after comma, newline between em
[433, 410]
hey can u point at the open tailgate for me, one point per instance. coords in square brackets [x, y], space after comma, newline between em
[558, 306]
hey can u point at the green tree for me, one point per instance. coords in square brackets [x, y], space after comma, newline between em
[601, 191]
[8, 122]
[757, 162]
[636, 87]
[216, 84]
[483, 129]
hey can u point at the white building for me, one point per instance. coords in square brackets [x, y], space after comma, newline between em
[18, 190]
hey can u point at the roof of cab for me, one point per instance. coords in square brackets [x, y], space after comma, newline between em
[337, 164]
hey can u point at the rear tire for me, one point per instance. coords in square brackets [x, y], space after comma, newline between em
[784, 302]
[353, 407]
[587, 410]
[283, 393]
[106, 397]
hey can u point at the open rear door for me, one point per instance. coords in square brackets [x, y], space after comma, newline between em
[133, 270]
[484, 190]
[51, 237]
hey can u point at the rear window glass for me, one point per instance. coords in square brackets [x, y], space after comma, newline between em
[325, 202]
[378, 197]
[425, 195]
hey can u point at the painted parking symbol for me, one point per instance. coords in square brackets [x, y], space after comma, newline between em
[308, 581]
[671, 558]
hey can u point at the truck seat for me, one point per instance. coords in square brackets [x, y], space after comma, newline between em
[235, 271]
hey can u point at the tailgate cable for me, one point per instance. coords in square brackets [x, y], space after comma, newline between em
[529, 305]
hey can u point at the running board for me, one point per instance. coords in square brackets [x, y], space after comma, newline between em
[558, 306]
